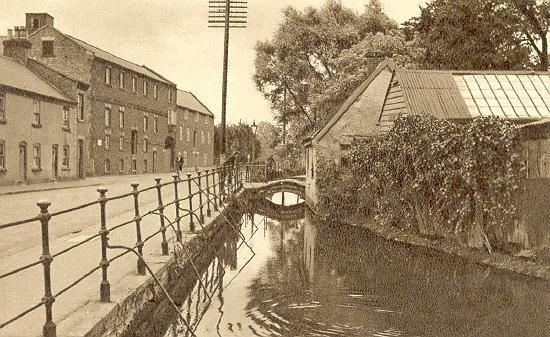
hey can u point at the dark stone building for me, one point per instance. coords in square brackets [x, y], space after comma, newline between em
[126, 119]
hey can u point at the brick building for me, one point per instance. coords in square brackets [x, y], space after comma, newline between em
[126, 117]
[195, 134]
[37, 126]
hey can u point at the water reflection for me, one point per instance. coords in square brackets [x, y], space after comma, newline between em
[299, 279]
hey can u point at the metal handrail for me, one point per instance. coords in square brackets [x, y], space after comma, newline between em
[224, 176]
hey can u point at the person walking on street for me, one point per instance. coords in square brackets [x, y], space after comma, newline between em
[179, 164]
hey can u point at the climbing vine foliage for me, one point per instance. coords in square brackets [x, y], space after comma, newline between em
[433, 175]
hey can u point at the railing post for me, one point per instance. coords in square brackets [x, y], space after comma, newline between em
[248, 173]
[229, 178]
[105, 287]
[214, 183]
[208, 210]
[164, 243]
[49, 328]
[139, 243]
[200, 198]
[191, 220]
[177, 205]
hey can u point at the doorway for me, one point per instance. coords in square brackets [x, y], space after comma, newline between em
[23, 163]
[55, 161]
[81, 159]
[154, 161]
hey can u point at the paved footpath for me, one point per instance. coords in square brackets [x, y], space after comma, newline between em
[21, 245]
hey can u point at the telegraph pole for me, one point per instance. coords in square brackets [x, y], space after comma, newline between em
[226, 14]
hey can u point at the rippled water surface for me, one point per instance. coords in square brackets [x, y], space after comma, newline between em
[297, 279]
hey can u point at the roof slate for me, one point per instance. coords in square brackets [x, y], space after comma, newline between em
[15, 75]
[186, 99]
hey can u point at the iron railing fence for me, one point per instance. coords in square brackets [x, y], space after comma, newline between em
[210, 187]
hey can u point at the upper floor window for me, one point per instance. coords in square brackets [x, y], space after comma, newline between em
[145, 87]
[107, 166]
[2, 154]
[181, 132]
[47, 48]
[66, 118]
[185, 114]
[155, 91]
[36, 113]
[196, 117]
[170, 96]
[188, 136]
[36, 156]
[107, 75]
[145, 145]
[172, 117]
[121, 143]
[202, 136]
[2, 106]
[121, 80]
[107, 116]
[107, 142]
[121, 117]
[81, 106]
[156, 125]
[134, 84]
[145, 123]
[35, 23]
[65, 156]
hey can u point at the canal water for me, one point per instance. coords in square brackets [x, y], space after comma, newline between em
[297, 278]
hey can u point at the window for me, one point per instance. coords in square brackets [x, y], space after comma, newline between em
[185, 114]
[81, 107]
[145, 123]
[47, 48]
[134, 165]
[121, 143]
[170, 96]
[36, 112]
[156, 125]
[36, 156]
[145, 87]
[121, 80]
[35, 23]
[2, 106]
[133, 142]
[172, 117]
[181, 132]
[208, 137]
[202, 137]
[121, 165]
[121, 117]
[107, 165]
[145, 145]
[134, 84]
[107, 75]
[66, 122]
[188, 136]
[185, 158]
[107, 116]
[65, 157]
[2, 155]
[205, 160]
[155, 91]
[196, 117]
[145, 165]
[107, 142]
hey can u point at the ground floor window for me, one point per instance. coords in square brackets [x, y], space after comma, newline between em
[145, 168]
[185, 162]
[36, 156]
[107, 166]
[121, 166]
[134, 165]
[205, 160]
[107, 142]
[66, 156]
[2, 154]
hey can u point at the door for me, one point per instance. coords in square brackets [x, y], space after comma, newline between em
[55, 161]
[81, 159]
[23, 163]
[154, 161]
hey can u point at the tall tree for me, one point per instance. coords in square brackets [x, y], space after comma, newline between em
[240, 138]
[374, 20]
[470, 34]
[534, 16]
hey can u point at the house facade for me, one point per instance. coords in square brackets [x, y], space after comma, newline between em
[126, 117]
[38, 139]
[195, 131]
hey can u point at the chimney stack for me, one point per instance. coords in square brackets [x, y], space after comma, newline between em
[17, 45]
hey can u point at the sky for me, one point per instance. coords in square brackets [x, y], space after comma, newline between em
[172, 37]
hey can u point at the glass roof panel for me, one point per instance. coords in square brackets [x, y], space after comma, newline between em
[539, 102]
[476, 93]
[504, 102]
[545, 112]
[521, 111]
[474, 111]
[483, 84]
[546, 100]
[481, 102]
[515, 102]
[497, 111]
[488, 93]
[532, 111]
[469, 102]
[513, 78]
[509, 111]
[485, 111]
[499, 93]
[533, 93]
[492, 102]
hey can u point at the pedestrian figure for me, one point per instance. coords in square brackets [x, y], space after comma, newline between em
[179, 164]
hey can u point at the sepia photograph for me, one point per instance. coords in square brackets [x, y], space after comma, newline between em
[292, 168]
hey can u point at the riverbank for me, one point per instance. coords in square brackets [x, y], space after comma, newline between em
[495, 260]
